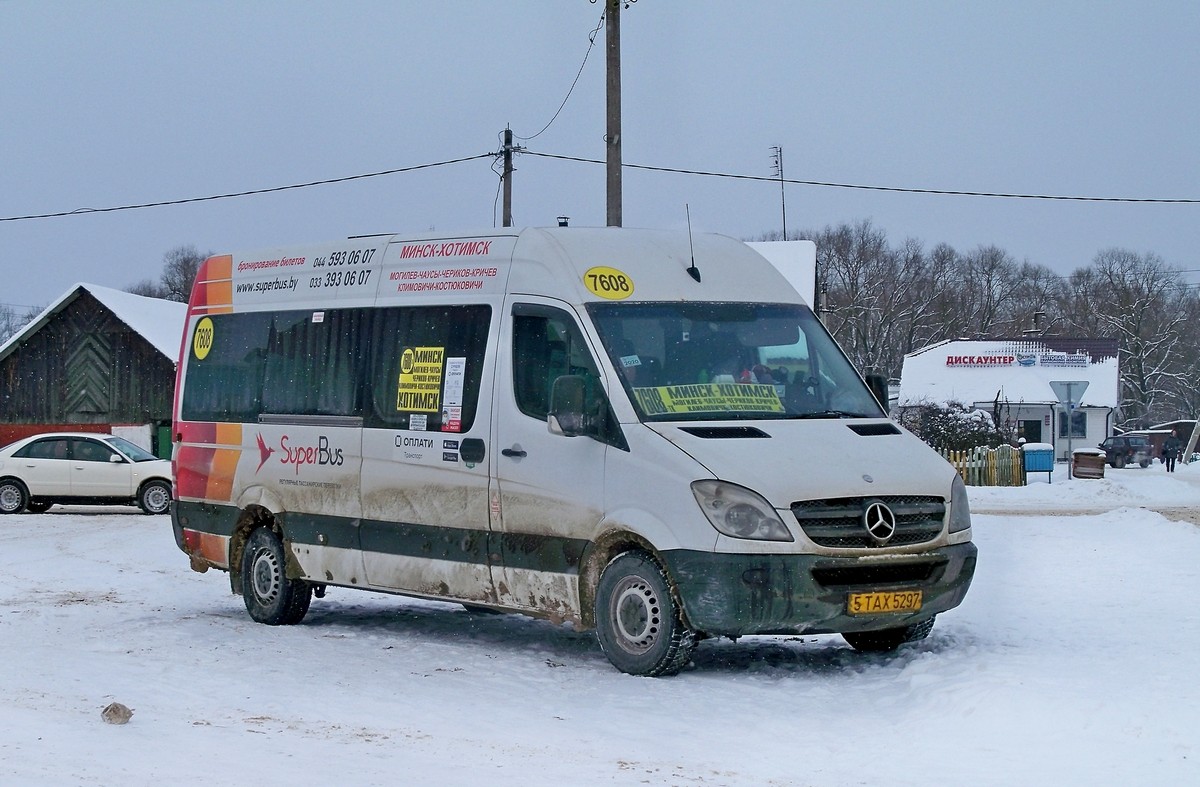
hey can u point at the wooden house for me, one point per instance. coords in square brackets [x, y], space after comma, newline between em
[96, 359]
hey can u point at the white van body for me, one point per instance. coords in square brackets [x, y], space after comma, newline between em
[535, 421]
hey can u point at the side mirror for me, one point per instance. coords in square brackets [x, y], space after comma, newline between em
[114, 459]
[566, 416]
[879, 387]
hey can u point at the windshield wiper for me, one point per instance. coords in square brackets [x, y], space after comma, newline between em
[830, 414]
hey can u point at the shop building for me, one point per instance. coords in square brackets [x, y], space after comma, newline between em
[1012, 380]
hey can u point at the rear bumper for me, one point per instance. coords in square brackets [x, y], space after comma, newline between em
[734, 595]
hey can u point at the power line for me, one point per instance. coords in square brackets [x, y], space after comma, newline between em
[186, 200]
[579, 73]
[559, 157]
[948, 192]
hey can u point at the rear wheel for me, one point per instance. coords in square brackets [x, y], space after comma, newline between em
[270, 596]
[888, 639]
[13, 497]
[638, 623]
[155, 497]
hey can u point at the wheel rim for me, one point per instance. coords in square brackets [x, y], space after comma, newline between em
[157, 499]
[10, 498]
[636, 615]
[266, 576]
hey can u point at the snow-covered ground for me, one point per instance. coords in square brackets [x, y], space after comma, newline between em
[1072, 661]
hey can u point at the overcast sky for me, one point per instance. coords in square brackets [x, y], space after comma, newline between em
[107, 104]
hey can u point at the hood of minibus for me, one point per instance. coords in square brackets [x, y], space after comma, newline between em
[786, 461]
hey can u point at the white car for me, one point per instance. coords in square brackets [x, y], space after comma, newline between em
[81, 467]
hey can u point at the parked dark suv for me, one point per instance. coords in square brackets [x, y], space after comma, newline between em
[1124, 449]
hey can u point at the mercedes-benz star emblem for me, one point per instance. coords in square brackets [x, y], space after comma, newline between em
[879, 521]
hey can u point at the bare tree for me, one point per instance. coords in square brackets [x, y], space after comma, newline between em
[12, 321]
[147, 287]
[1141, 302]
[883, 302]
[180, 266]
[9, 324]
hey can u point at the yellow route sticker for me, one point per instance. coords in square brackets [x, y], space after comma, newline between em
[420, 384]
[610, 283]
[202, 340]
[709, 398]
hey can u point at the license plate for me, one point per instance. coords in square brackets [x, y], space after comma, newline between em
[881, 603]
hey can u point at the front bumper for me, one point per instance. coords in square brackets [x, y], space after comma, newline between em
[738, 594]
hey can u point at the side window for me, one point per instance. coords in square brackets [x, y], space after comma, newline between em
[84, 450]
[53, 448]
[313, 362]
[224, 377]
[399, 368]
[426, 367]
[546, 345]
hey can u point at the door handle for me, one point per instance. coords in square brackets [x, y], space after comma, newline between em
[518, 452]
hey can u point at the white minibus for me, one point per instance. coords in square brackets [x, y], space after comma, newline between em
[641, 432]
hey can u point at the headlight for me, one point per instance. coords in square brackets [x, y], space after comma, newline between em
[738, 512]
[960, 509]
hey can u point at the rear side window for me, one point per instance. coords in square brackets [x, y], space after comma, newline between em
[313, 363]
[51, 448]
[224, 380]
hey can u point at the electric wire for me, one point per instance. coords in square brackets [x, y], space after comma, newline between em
[581, 159]
[897, 189]
[250, 192]
[579, 73]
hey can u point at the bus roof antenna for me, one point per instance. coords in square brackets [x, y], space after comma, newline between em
[693, 271]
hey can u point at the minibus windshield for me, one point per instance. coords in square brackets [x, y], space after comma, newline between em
[729, 361]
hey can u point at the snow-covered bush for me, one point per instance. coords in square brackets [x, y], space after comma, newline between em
[951, 426]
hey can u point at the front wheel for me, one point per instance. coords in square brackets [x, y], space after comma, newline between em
[270, 596]
[37, 508]
[155, 497]
[1119, 462]
[888, 640]
[638, 623]
[13, 497]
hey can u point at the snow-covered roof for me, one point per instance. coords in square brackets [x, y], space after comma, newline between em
[157, 321]
[1016, 370]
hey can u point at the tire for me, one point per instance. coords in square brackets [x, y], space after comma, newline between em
[154, 497]
[887, 640]
[638, 622]
[13, 496]
[1119, 462]
[1144, 463]
[37, 508]
[270, 596]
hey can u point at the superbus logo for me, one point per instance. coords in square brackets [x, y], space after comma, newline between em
[320, 454]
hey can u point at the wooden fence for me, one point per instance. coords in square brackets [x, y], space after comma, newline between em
[982, 466]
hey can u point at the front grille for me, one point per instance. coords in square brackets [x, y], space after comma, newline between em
[837, 522]
[890, 574]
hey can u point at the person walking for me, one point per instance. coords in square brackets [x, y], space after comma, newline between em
[1170, 451]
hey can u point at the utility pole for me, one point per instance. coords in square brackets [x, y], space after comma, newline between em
[507, 178]
[612, 139]
[777, 159]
